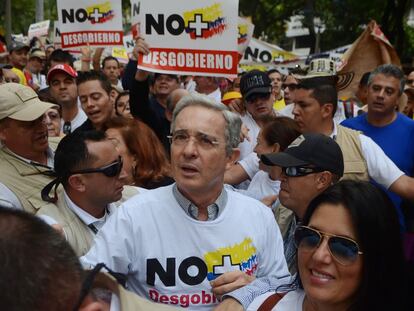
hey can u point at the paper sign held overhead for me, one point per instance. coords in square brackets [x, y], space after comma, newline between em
[97, 23]
[190, 37]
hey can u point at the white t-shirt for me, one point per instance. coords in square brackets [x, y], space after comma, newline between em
[262, 186]
[77, 121]
[292, 301]
[170, 257]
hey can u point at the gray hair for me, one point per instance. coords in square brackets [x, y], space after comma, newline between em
[233, 121]
[389, 70]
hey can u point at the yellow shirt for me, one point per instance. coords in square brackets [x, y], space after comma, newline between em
[279, 104]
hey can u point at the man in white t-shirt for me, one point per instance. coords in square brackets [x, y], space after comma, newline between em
[208, 86]
[186, 243]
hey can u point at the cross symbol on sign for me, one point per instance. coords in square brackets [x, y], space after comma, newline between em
[227, 266]
[198, 25]
[96, 15]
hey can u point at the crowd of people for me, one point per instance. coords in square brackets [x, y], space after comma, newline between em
[122, 189]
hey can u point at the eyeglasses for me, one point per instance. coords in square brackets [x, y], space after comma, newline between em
[110, 170]
[344, 250]
[291, 86]
[253, 97]
[298, 171]
[182, 138]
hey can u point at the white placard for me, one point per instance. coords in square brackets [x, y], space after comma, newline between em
[39, 29]
[190, 37]
[89, 22]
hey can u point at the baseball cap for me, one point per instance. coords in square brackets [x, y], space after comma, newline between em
[255, 82]
[316, 150]
[21, 103]
[61, 68]
[17, 45]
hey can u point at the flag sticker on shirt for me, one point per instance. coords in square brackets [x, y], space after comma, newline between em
[240, 257]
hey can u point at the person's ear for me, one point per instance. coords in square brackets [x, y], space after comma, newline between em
[275, 148]
[233, 158]
[327, 110]
[77, 182]
[323, 180]
[90, 305]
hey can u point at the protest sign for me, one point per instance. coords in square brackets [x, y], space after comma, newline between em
[246, 29]
[120, 54]
[57, 39]
[39, 29]
[265, 53]
[97, 23]
[129, 43]
[190, 37]
[135, 18]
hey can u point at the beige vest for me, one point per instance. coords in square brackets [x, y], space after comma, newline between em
[26, 181]
[78, 234]
[355, 165]
[129, 301]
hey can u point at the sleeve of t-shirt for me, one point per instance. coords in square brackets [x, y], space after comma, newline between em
[250, 164]
[8, 198]
[112, 244]
[380, 168]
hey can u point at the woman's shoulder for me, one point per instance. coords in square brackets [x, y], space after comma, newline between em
[291, 301]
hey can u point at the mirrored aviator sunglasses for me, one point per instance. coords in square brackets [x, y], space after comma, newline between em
[111, 170]
[344, 250]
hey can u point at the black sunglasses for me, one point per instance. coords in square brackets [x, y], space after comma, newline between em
[343, 250]
[298, 171]
[110, 170]
[291, 86]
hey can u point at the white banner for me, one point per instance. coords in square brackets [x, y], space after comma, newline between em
[263, 52]
[246, 29]
[135, 18]
[190, 37]
[129, 43]
[97, 23]
[39, 29]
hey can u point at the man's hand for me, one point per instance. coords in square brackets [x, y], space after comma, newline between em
[269, 200]
[236, 105]
[230, 281]
[244, 133]
[141, 47]
[229, 304]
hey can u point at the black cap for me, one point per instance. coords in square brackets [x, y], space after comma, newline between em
[317, 150]
[255, 82]
[17, 45]
[157, 75]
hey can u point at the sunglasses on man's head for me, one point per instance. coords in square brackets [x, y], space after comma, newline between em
[111, 170]
[343, 250]
[297, 171]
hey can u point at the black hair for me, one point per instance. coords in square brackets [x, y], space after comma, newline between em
[85, 76]
[61, 56]
[108, 58]
[72, 153]
[378, 234]
[39, 270]
[323, 91]
[274, 70]
[122, 94]
[389, 70]
[364, 79]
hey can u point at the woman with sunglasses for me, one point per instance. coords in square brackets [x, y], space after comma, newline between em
[349, 254]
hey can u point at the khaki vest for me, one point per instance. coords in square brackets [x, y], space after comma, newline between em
[129, 301]
[77, 232]
[25, 180]
[355, 165]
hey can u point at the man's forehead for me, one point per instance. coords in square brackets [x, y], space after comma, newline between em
[103, 151]
[199, 118]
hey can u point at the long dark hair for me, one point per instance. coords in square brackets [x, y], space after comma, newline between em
[383, 283]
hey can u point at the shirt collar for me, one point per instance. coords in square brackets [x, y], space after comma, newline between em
[213, 210]
[335, 131]
[49, 152]
[87, 218]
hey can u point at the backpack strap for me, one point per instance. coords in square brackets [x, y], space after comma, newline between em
[271, 301]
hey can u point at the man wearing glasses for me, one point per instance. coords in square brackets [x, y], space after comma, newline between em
[89, 168]
[309, 165]
[172, 242]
